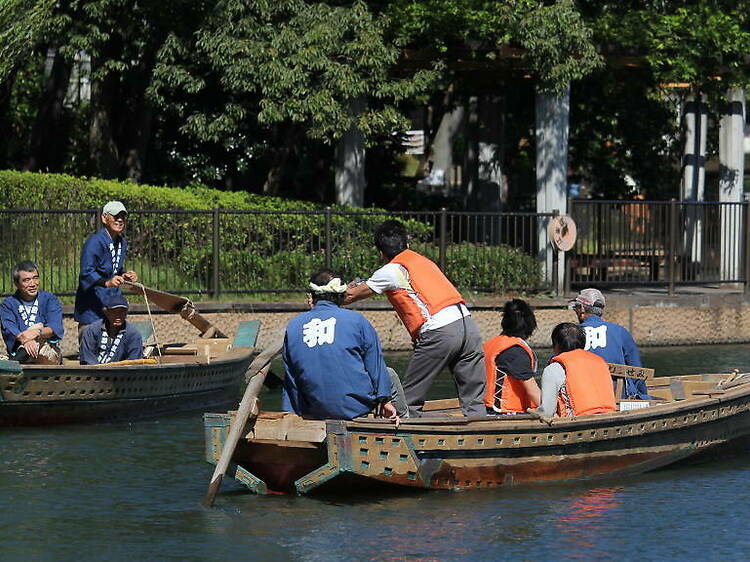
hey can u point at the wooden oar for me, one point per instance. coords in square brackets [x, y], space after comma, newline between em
[257, 373]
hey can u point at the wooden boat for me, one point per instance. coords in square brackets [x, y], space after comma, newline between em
[694, 416]
[179, 377]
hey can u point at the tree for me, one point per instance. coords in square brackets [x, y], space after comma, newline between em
[280, 72]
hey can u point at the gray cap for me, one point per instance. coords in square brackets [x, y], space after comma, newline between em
[589, 297]
[114, 208]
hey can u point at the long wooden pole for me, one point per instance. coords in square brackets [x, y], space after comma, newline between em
[257, 372]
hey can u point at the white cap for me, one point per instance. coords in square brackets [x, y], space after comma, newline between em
[589, 297]
[114, 208]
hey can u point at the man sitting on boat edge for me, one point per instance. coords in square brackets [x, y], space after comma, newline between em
[608, 340]
[510, 364]
[333, 360]
[111, 339]
[32, 319]
[575, 382]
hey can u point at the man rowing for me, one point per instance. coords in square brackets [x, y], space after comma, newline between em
[32, 319]
[436, 317]
[102, 266]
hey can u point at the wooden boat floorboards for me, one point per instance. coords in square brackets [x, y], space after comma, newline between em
[696, 416]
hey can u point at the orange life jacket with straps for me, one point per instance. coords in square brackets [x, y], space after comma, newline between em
[588, 384]
[430, 285]
[513, 396]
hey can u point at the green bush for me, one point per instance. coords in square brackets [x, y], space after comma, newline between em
[272, 243]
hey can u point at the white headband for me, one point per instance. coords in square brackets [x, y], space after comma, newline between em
[333, 286]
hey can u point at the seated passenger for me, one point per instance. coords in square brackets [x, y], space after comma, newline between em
[575, 382]
[111, 339]
[32, 320]
[510, 364]
[333, 360]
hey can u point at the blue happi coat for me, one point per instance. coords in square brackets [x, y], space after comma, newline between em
[614, 344]
[48, 312]
[96, 350]
[101, 259]
[334, 364]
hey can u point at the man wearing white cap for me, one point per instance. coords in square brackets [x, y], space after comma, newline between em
[102, 266]
[608, 340]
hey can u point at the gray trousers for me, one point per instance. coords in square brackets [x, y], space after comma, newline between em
[397, 394]
[457, 346]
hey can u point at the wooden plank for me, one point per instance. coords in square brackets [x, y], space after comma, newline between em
[444, 404]
[630, 372]
[247, 334]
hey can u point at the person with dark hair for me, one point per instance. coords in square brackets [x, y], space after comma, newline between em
[102, 266]
[576, 382]
[32, 319]
[333, 360]
[112, 339]
[510, 364]
[435, 315]
[608, 340]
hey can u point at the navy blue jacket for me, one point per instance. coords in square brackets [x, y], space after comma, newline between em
[130, 347]
[96, 269]
[334, 364]
[49, 314]
[614, 344]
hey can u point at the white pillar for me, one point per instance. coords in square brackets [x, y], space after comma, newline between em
[731, 172]
[552, 122]
[350, 163]
[694, 173]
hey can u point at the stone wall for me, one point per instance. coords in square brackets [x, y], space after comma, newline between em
[691, 321]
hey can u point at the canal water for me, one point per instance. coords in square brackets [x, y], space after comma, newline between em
[133, 492]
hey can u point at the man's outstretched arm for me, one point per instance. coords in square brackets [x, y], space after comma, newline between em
[357, 293]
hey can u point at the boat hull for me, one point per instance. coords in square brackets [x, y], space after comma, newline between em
[457, 453]
[74, 394]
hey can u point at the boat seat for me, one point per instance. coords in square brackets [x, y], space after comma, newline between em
[622, 372]
[247, 334]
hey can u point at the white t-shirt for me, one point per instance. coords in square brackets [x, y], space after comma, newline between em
[394, 276]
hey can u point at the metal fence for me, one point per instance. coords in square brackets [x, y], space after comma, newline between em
[221, 251]
[664, 243]
[218, 251]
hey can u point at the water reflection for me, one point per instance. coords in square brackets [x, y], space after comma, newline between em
[581, 523]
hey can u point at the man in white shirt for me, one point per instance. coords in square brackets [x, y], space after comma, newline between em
[434, 313]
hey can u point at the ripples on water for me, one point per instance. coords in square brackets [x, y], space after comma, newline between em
[133, 492]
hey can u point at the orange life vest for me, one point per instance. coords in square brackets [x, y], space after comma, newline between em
[588, 383]
[513, 397]
[430, 285]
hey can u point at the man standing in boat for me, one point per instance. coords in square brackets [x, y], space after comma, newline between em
[32, 319]
[333, 360]
[608, 340]
[434, 313]
[111, 339]
[576, 382]
[510, 364]
[102, 266]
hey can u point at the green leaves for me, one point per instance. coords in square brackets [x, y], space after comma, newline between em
[22, 22]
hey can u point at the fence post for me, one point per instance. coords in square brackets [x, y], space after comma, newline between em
[555, 261]
[672, 254]
[443, 236]
[328, 238]
[746, 248]
[216, 254]
[567, 271]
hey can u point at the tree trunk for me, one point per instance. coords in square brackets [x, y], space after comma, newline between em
[49, 131]
[284, 138]
[6, 89]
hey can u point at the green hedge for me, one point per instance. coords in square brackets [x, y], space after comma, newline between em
[174, 250]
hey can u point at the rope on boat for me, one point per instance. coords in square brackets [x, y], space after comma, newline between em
[151, 319]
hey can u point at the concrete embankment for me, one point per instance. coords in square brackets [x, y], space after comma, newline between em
[654, 319]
